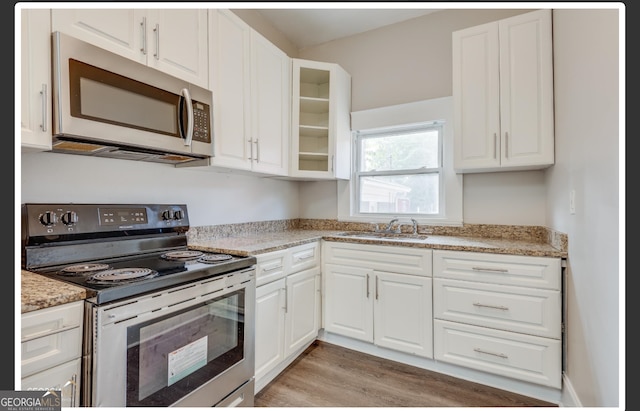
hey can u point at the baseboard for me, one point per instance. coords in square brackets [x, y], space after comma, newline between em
[569, 396]
[549, 394]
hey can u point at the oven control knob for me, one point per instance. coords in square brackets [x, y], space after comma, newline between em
[70, 217]
[48, 218]
[166, 215]
[177, 215]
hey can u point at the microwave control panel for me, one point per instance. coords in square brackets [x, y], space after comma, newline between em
[201, 123]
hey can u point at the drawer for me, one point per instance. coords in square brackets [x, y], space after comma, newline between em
[271, 266]
[402, 260]
[525, 271]
[523, 357]
[39, 323]
[305, 256]
[50, 337]
[278, 264]
[519, 309]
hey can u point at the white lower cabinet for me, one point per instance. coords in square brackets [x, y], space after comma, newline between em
[287, 308]
[51, 348]
[500, 314]
[379, 294]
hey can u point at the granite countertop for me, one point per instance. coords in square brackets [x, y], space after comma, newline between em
[252, 244]
[39, 292]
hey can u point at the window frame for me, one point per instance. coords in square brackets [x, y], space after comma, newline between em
[358, 135]
[420, 112]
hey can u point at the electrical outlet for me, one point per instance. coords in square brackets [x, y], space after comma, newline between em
[572, 201]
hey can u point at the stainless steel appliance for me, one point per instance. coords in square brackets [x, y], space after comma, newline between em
[164, 325]
[108, 106]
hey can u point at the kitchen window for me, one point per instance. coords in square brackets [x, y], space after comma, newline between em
[403, 166]
[399, 170]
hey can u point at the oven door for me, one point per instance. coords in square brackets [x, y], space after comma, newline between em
[190, 346]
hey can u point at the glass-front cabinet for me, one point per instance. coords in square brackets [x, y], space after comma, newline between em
[321, 132]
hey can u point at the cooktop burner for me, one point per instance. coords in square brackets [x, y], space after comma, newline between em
[83, 269]
[122, 275]
[185, 255]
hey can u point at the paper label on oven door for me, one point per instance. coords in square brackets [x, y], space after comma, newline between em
[187, 359]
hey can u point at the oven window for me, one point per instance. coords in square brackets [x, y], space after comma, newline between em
[169, 357]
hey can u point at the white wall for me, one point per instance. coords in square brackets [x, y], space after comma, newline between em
[586, 74]
[211, 197]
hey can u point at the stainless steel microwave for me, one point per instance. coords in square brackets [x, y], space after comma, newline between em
[108, 106]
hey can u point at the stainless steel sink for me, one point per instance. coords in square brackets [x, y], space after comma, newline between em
[384, 236]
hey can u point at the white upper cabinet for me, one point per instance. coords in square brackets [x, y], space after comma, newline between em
[250, 80]
[173, 41]
[503, 95]
[35, 80]
[321, 121]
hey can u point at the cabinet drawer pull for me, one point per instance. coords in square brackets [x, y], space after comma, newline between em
[497, 270]
[304, 257]
[497, 307]
[264, 270]
[501, 355]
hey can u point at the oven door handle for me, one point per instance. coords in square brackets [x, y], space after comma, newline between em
[185, 101]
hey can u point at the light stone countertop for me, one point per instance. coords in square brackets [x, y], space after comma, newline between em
[252, 244]
[39, 291]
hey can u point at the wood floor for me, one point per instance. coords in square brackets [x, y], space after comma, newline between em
[327, 375]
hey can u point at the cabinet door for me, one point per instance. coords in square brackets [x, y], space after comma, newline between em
[177, 42]
[64, 377]
[349, 301]
[526, 89]
[301, 322]
[476, 97]
[503, 94]
[35, 80]
[121, 31]
[270, 323]
[229, 50]
[270, 102]
[403, 313]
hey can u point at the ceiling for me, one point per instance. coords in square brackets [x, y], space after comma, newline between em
[310, 27]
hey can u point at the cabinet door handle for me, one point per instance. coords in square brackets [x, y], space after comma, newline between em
[333, 163]
[257, 151]
[72, 382]
[497, 270]
[250, 149]
[43, 93]
[495, 145]
[367, 285]
[157, 32]
[376, 287]
[501, 355]
[286, 299]
[143, 27]
[506, 144]
[497, 307]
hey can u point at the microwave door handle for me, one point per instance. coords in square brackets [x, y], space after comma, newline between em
[185, 100]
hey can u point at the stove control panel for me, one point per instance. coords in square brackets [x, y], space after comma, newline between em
[70, 219]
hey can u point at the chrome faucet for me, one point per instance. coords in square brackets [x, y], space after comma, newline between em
[414, 223]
